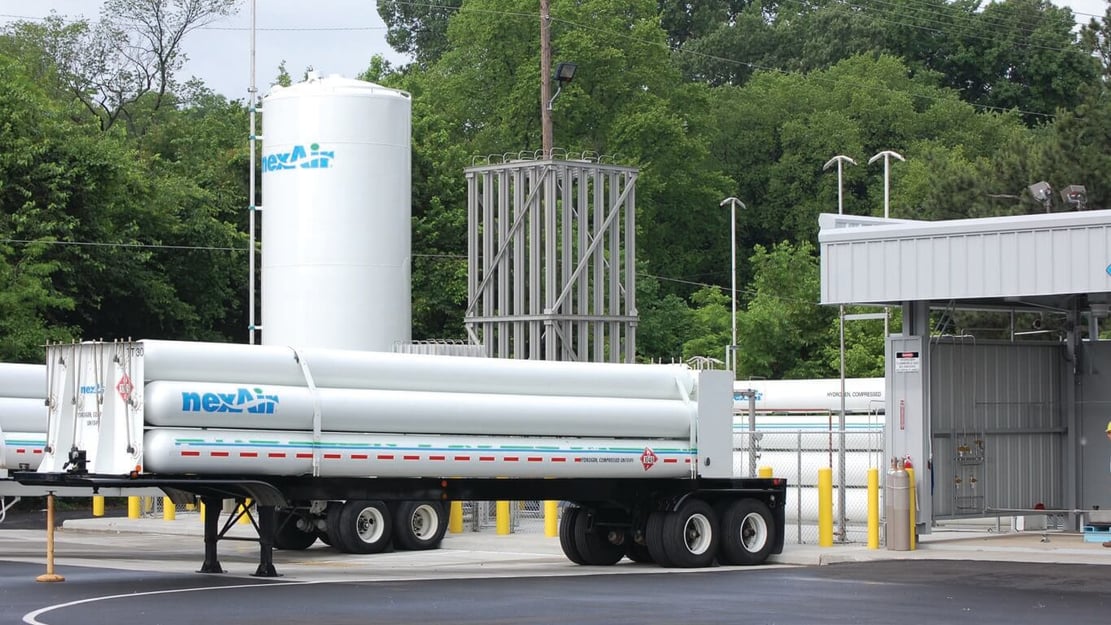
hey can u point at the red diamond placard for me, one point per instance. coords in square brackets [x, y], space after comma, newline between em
[124, 387]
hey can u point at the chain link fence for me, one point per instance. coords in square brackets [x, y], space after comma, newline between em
[797, 455]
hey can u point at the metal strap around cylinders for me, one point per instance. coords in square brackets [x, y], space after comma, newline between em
[693, 410]
[315, 410]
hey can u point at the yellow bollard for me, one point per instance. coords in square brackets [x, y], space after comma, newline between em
[133, 507]
[202, 512]
[244, 520]
[503, 518]
[551, 519]
[873, 508]
[455, 519]
[913, 511]
[98, 505]
[168, 511]
[825, 507]
[50, 576]
[764, 472]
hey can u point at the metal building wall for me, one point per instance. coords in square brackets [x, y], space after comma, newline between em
[1093, 448]
[998, 426]
[552, 260]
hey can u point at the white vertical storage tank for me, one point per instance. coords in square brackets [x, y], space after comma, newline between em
[336, 221]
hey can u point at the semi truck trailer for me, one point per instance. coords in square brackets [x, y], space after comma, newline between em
[364, 450]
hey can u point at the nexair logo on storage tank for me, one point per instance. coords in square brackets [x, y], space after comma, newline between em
[299, 157]
[253, 401]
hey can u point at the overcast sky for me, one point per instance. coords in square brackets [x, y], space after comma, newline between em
[332, 36]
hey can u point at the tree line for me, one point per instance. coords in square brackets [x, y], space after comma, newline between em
[123, 192]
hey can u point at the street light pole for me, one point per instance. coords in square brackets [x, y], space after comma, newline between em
[733, 202]
[887, 156]
[841, 159]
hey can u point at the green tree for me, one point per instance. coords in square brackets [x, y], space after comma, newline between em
[782, 329]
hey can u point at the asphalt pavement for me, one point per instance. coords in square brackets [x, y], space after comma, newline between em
[982, 542]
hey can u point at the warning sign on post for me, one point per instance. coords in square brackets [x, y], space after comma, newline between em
[907, 362]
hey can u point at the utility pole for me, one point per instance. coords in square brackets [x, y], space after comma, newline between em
[545, 79]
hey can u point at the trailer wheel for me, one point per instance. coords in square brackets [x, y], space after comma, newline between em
[690, 535]
[360, 526]
[567, 522]
[289, 536]
[597, 545]
[747, 533]
[419, 525]
[654, 538]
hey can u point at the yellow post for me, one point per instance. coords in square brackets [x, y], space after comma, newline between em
[503, 518]
[244, 520]
[455, 519]
[551, 519]
[913, 511]
[168, 511]
[825, 507]
[202, 512]
[50, 576]
[764, 472]
[133, 505]
[98, 505]
[873, 508]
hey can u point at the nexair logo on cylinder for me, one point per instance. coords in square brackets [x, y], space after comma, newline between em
[299, 158]
[252, 401]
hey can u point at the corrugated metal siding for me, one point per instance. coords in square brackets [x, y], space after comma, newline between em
[1008, 396]
[1053, 254]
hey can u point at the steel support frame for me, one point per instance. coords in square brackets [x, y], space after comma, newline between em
[552, 260]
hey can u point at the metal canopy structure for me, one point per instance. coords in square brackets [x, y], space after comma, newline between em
[992, 426]
[552, 260]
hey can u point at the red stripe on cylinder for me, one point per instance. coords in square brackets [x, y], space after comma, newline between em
[333, 456]
[437, 457]
[578, 459]
[670, 460]
[37, 451]
[410, 457]
[218, 454]
[385, 456]
[462, 458]
[191, 453]
[559, 459]
[485, 458]
[248, 454]
[276, 454]
[303, 456]
[360, 457]
[19, 450]
[535, 459]
[511, 459]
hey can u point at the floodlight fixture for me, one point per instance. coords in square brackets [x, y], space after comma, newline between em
[1043, 193]
[1075, 195]
[564, 74]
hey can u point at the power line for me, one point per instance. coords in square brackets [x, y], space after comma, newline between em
[158, 246]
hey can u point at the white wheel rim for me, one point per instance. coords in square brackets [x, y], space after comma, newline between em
[698, 534]
[424, 522]
[369, 525]
[754, 532]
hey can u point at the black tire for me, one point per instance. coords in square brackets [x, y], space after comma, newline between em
[567, 522]
[419, 525]
[654, 538]
[290, 537]
[598, 545]
[638, 553]
[747, 533]
[690, 535]
[361, 526]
